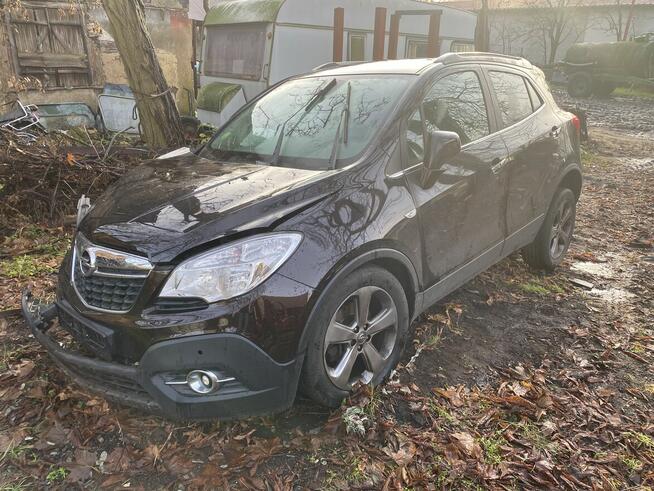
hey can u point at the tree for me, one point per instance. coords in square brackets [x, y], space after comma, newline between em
[155, 102]
[554, 23]
[618, 19]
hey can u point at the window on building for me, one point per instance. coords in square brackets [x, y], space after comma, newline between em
[456, 103]
[49, 43]
[356, 46]
[416, 48]
[461, 46]
[512, 96]
[235, 51]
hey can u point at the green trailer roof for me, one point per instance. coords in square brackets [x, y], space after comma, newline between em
[241, 11]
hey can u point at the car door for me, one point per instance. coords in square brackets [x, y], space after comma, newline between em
[462, 215]
[530, 132]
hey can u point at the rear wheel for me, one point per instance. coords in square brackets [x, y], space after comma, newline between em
[603, 88]
[580, 84]
[553, 240]
[359, 330]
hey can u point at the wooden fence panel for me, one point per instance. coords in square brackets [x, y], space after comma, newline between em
[50, 43]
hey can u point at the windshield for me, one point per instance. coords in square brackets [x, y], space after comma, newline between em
[311, 123]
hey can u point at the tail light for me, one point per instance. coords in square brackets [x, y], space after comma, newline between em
[576, 123]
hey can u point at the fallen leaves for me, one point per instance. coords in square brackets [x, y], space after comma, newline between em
[576, 414]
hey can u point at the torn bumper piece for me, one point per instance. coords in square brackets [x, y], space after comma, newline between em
[259, 386]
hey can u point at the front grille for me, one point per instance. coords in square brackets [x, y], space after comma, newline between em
[106, 279]
[108, 292]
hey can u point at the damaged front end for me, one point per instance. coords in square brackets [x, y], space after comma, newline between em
[197, 377]
[114, 381]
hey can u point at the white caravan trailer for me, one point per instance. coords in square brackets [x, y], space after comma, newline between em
[250, 45]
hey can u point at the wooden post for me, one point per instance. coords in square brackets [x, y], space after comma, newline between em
[394, 36]
[380, 34]
[433, 41]
[339, 28]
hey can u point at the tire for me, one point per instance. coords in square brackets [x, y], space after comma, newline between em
[603, 88]
[542, 252]
[338, 339]
[580, 84]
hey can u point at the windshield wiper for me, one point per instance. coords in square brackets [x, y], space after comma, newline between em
[344, 121]
[278, 145]
[319, 95]
[309, 105]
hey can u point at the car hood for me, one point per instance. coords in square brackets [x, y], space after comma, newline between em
[163, 208]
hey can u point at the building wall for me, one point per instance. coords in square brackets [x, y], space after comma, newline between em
[170, 31]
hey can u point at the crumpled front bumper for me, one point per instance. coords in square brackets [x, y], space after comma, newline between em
[261, 385]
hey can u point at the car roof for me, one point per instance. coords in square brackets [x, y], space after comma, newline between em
[416, 65]
[406, 66]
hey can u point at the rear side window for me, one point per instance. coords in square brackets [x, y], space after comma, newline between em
[456, 103]
[512, 96]
[536, 100]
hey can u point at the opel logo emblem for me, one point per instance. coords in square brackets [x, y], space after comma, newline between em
[87, 264]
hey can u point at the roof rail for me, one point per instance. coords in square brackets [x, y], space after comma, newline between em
[449, 58]
[336, 64]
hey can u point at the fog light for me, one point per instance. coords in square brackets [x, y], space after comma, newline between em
[203, 382]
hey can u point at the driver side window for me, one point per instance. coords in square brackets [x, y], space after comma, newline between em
[456, 103]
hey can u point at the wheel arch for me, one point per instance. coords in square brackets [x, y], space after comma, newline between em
[384, 256]
[571, 178]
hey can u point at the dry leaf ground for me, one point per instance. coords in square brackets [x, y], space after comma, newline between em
[518, 380]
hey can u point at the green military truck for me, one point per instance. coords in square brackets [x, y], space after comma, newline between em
[598, 68]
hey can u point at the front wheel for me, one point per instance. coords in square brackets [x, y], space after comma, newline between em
[553, 240]
[359, 330]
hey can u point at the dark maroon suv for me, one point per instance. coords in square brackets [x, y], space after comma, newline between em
[293, 251]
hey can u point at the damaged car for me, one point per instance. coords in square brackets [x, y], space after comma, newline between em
[292, 252]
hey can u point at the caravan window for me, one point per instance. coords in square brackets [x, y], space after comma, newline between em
[235, 50]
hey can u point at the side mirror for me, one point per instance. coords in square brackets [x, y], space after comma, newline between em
[442, 146]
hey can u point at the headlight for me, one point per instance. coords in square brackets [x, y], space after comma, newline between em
[232, 269]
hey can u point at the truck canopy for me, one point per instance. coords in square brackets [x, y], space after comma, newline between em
[626, 58]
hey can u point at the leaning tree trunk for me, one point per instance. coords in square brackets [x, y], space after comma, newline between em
[161, 126]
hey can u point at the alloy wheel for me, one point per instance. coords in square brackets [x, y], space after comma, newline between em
[360, 337]
[561, 230]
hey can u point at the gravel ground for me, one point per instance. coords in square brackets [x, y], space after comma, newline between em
[633, 115]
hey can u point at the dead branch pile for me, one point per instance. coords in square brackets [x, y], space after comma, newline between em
[42, 181]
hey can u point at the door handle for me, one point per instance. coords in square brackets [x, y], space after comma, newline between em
[556, 131]
[497, 164]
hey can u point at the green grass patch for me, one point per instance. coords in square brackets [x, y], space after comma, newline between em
[56, 475]
[535, 437]
[634, 92]
[632, 463]
[492, 448]
[541, 287]
[24, 267]
[642, 440]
